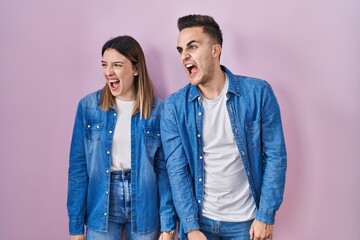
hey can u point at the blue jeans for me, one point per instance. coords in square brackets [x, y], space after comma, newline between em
[119, 212]
[218, 230]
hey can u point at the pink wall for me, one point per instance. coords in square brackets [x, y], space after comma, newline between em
[308, 50]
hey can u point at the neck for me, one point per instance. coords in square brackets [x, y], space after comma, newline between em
[127, 96]
[212, 88]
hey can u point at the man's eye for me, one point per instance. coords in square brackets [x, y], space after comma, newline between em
[117, 65]
[192, 47]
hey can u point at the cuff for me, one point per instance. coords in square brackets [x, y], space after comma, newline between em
[76, 227]
[190, 224]
[265, 216]
[167, 222]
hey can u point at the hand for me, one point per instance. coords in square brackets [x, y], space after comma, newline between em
[261, 231]
[196, 235]
[166, 236]
[77, 237]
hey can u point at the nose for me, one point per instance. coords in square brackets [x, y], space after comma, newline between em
[185, 55]
[109, 71]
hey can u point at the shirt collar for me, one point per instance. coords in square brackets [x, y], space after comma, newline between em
[234, 87]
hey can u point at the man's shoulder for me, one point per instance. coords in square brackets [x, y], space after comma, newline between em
[243, 81]
[252, 82]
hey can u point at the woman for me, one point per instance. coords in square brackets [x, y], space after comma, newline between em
[116, 161]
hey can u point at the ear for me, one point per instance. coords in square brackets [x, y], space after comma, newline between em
[136, 71]
[216, 50]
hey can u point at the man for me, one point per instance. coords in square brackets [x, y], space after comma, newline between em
[223, 142]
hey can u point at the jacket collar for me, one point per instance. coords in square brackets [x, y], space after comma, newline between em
[234, 86]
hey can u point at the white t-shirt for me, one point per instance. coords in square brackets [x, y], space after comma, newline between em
[121, 145]
[227, 195]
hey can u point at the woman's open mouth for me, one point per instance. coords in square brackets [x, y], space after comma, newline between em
[114, 84]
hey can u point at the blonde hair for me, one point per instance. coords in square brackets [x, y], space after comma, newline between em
[131, 49]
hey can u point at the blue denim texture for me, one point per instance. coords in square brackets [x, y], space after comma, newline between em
[116, 231]
[256, 123]
[120, 212]
[219, 230]
[89, 170]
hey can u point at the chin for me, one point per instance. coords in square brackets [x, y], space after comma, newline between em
[115, 94]
[195, 81]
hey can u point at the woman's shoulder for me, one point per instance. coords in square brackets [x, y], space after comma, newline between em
[157, 106]
[91, 98]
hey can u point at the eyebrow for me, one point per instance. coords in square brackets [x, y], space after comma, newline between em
[188, 44]
[113, 62]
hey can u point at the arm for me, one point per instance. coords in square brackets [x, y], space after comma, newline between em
[274, 158]
[178, 171]
[167, 209]
[77, 178]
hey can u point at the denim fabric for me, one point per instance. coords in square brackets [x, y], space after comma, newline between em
[218, 230]
[115, 231]
[120, 199]
[256, 123]
[89, 170]
[120, 212]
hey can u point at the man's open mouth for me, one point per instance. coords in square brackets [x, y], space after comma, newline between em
[192, 69]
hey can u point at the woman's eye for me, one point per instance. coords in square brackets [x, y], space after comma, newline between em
[118, 65]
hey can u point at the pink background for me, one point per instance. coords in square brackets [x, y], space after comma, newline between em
[308, 50]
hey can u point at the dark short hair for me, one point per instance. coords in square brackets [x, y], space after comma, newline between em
[208, 23]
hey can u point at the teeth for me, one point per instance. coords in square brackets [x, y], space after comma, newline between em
[189, 65]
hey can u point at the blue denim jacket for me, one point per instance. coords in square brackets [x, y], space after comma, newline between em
[255, 119]
[89, 170]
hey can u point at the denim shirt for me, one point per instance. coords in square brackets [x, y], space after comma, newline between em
[256, 124]
[89, 170]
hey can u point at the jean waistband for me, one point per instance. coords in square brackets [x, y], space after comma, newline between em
[122, 175]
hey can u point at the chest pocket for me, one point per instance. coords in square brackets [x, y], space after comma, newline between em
[152, 137]
[93, 130]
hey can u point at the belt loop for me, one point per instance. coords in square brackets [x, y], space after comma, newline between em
[125, 174]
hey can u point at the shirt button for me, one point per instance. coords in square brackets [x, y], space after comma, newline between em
[242, 153]
[200, 113]
[158, 134]
[201, 157]
[108, 152]
[199, 201]
[110, 132]
[105, 214]
[97, 126]
[107, 192]
[107, 171]
[88, 126]
[148, 132]
[198, 135]
[200, 179]
[114, 114]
